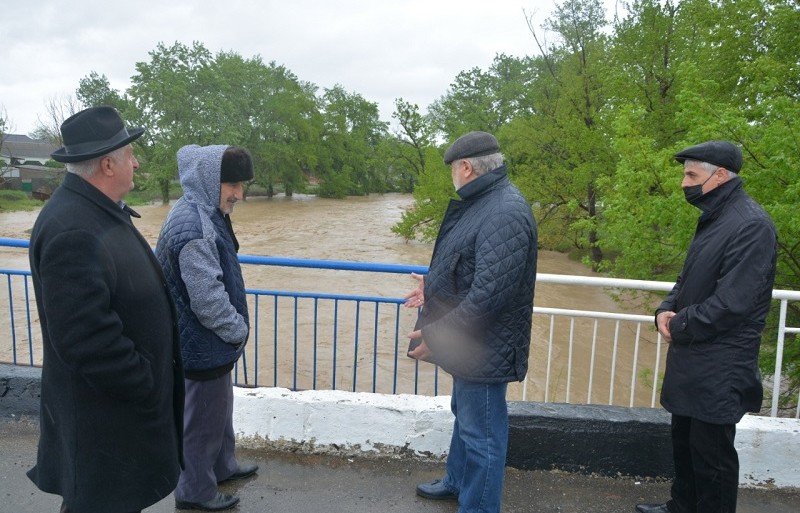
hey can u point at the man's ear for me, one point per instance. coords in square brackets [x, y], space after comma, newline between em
[468, 170]
[107, 166]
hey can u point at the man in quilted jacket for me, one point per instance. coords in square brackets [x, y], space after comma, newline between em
[197, 250]
[475, 306]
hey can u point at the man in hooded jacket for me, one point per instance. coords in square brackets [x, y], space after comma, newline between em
[713, 319]
[198, 251]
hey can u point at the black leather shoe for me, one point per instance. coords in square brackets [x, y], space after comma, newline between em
[241, 473]
[652, 508]
[220, 502]
[436, 490]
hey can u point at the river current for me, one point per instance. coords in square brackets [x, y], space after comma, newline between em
[358, 229]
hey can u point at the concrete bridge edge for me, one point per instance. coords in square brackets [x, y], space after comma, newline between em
[606, 440]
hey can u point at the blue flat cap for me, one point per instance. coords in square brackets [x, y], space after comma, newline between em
[720, 153]
[473, 144]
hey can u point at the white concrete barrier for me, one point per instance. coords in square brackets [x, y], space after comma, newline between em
[350, 423]
[343, 422]
[769, 451]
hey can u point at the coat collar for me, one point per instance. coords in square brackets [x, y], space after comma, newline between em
[483, 183]
[713, 202]
[78, 185]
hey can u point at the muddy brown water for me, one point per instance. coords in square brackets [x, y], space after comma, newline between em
[358, 229]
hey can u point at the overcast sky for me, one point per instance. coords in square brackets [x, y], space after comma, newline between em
[381, 49]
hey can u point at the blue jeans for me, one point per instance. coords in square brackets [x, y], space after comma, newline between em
[477, 458]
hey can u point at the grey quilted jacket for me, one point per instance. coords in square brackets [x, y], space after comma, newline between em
[479, 290]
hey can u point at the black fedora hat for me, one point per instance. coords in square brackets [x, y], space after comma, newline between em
[93, 132]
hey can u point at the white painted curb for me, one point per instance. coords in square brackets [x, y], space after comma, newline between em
[343, 422]
[351, 423]
[769, 451]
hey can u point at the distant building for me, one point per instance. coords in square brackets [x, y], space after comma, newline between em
[22, 166]
[39, 181]
[21, 149]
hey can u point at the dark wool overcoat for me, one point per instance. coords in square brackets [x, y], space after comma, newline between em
[479, 290]
[721, 298]
[112, 380]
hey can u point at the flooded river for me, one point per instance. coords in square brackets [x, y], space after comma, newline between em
[358, 229]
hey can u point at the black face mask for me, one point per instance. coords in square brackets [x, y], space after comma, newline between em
[693, 193]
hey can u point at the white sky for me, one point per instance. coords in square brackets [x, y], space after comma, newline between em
[381, 49]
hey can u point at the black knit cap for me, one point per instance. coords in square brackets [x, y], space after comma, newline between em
[473, 144]
[720, 153]
[237, 165]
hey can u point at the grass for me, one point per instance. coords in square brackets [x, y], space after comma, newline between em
[11, 201]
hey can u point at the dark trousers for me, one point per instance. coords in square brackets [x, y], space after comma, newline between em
[208, 438]
[706, 467]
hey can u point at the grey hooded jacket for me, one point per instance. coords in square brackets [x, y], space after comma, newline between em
[196, 249]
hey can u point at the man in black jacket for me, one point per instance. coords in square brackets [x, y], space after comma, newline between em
[112, 380]
[475, 321]
[713, 319]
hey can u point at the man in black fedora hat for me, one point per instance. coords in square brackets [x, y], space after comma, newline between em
[112, 379]
[712, 320]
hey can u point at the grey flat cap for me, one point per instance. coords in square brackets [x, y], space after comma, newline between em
[473, 144]
[720, 153]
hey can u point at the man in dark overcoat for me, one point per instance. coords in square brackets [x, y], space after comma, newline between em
[112, 379]
[475, 320]
[713, 319]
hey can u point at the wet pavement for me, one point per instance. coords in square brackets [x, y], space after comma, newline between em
[297, 483]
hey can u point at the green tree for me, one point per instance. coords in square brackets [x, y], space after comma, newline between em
[737, 79]
[485, 100]
[562, 150]
[406, 150]
[351, 135]
[169, 93]
[432, 195]
[286, 125]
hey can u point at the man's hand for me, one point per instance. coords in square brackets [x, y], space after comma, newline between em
[662, 321]
[421, 352]
[416, 297]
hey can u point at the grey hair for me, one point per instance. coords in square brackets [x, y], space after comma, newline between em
[708, 167]
[87, 168]
[486, 163]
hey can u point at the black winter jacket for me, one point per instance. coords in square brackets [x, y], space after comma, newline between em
[112, 382]
[721, 298]
[479, 290]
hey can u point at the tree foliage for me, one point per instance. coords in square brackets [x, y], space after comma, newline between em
[598, 114]
[588, 124]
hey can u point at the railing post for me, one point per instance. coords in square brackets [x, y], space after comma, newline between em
[11, 321]
[549, 358]
[776, 382]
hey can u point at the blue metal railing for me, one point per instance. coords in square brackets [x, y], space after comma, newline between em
[245, 374]
[338, 340]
